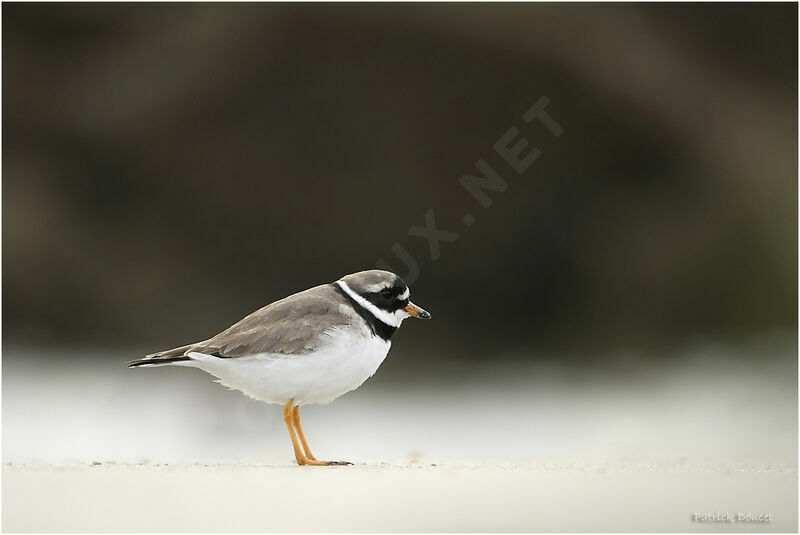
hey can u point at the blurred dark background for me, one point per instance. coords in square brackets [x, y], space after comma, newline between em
[167, 169]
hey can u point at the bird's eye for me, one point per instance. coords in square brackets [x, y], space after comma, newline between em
[387, 293]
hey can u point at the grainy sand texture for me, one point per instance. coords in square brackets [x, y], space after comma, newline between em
[380, 497]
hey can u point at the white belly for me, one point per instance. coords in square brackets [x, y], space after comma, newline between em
[341, 365]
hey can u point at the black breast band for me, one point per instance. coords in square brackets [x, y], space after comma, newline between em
[375, 325]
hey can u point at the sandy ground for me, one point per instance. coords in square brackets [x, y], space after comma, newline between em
[382, 497]
[91, 446]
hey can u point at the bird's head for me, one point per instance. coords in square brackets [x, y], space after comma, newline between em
[384, 294]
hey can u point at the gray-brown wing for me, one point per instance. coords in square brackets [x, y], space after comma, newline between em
[291, 326]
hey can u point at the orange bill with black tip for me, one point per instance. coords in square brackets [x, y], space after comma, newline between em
[416, 312]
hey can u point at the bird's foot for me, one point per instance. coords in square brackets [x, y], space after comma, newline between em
[314, 462]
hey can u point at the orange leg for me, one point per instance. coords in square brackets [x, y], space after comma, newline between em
[299, 429]
[291, 415]
[287, 417]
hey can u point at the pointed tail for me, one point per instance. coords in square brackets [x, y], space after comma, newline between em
[162, 357]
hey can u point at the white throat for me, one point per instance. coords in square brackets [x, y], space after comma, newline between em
[393, 319]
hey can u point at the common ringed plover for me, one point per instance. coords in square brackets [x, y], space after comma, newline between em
[310, 347]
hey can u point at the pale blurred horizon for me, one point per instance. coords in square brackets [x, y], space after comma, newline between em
[709, 404]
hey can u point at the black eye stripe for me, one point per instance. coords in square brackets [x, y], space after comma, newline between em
[390, 302]
[393, 291]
